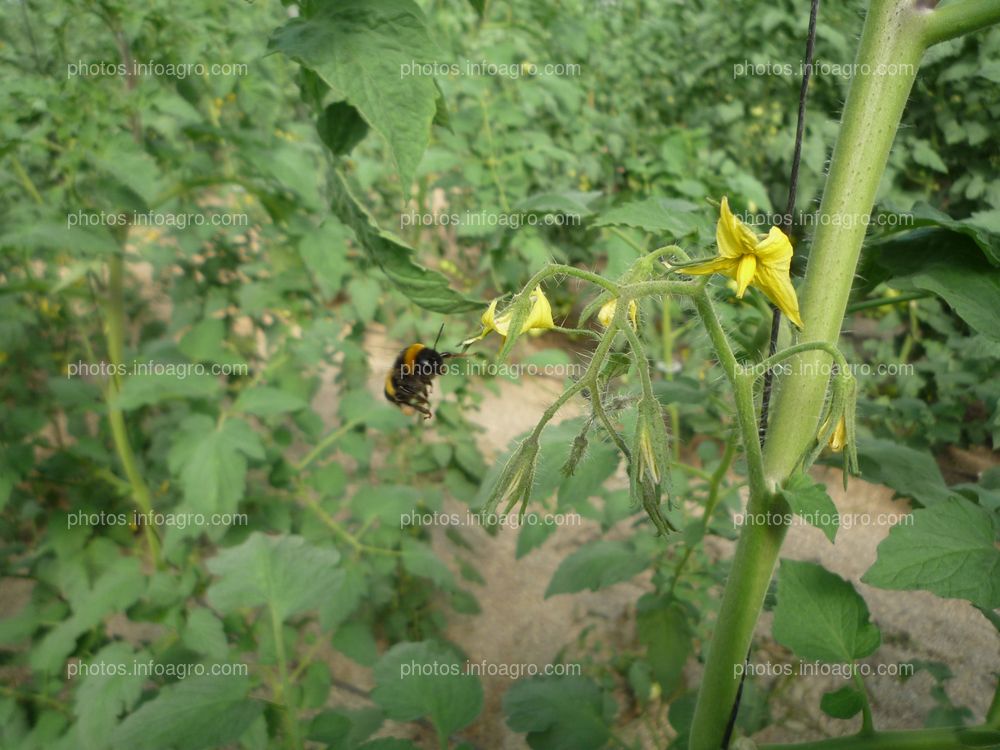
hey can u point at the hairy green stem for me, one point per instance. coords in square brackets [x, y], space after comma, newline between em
[895, 35]
[114, 325]
[958, 18]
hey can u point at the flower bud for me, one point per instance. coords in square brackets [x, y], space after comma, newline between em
[606, 315]
[516, 479]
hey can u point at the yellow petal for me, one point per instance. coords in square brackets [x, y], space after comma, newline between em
[775, 248]
[540, 316]
[733, 237]
[839, 437]
[488, 317]
[715, 265]
[775, 282]
[607, 313]
[745, 273]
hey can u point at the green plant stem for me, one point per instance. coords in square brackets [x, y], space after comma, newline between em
[993, 712]
[743, 388]
[588, 379]
[867, 723]
[958, 18]
[326, 442]
[602, 416]
[891, 39]
[667, 342]
[895, 35]
[114, 324]
[946, 738]
[868, 304]
[327, 520]
[715, 481]
[282, 689]
[559, 269]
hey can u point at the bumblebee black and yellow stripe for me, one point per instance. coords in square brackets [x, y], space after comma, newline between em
[390, 387]
[410, 355]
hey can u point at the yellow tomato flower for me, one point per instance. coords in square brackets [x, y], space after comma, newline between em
[539, 317]
[607, 313]
[761, 261]
[838, 438]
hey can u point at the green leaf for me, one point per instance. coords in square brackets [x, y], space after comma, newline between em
[958, 261]
[658, 215]
[195, 713]
[362, 49]
[86, 241]
[810, 501]
[211, 461]
[285, 573]
[910, 472]
[143, 390]
[664, 630]
[115, 590]
[419, 560]
[324, 251]
[341, 127]
[820, 616]
[355, 640]
[389, 503]
[205, 635]
[265, 401]
[426, 679]
[426, 288]
[102, 698]
[926, 156]
[949, 549]
[843, 703]
[596, 565]
[569, 203]
[532, 535]
[344, 729]
[597, 465]
[559, 713]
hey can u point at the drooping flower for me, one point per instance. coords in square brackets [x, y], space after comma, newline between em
[838, 438]
[763, 261]
[539, 317]
[607, 313]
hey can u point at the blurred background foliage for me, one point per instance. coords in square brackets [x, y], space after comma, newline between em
[652, 106]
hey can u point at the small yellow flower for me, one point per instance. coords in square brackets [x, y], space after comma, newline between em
[607, 313]
[838, 438]
[539, 318]
[761, 261]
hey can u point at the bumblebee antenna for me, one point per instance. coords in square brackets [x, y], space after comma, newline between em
[438, 338]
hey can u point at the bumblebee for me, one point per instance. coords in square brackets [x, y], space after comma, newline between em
[408, 383]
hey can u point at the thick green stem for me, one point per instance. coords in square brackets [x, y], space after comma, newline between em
[895, 35]
[892, 44]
